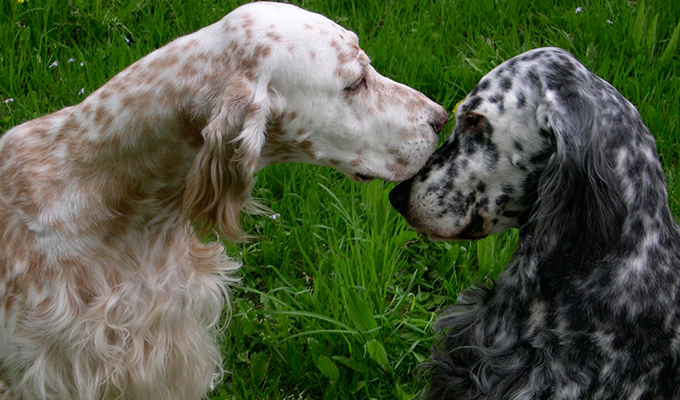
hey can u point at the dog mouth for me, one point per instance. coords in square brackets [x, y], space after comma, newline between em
[437, 238]
[361, 177]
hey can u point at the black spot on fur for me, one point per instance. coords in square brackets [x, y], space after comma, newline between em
[472, 104]
[424, 172]
[492, 154]
[560, 76]
[498, 100]
[512, 67]
[506, 84]
[502, 199]
[511, 214]
[533, 78]
[451, 171]
[521, 100]
[540, 157]
[471, 199]
[507, 189]
[444, 154]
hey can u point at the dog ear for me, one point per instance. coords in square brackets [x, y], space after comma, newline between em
[578, 193]
[219, 182]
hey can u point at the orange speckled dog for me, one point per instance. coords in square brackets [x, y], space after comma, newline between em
[105, 292]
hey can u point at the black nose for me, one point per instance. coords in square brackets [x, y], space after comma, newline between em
[399, 196]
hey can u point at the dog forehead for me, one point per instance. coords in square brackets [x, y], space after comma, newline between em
[513, 90]
[292, 32]
[285, 18]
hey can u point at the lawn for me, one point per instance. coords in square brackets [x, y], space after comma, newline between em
[338, 296]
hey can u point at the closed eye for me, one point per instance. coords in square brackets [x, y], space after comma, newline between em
[357, 85]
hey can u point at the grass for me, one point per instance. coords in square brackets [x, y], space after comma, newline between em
[338, 295]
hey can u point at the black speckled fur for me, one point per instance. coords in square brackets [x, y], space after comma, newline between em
[588, 307]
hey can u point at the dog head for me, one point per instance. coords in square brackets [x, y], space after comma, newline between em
[293, 86]
[527, 148]
[337, 110]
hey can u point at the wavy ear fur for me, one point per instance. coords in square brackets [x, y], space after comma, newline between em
[579, 197]
[219, 182]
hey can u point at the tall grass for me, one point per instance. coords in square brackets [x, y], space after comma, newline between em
[338, 295]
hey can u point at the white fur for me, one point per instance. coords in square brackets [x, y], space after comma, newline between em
[105, 290]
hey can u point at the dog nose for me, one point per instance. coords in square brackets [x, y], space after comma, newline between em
[438, 119]
[399, 196]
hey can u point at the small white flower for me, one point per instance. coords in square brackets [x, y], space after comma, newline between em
[579, 10]
[127, 40]
[54, 64]
[82, 63]
[81, 92]
[610, 22]
[275, 216]
[71, 60]
[7, 101]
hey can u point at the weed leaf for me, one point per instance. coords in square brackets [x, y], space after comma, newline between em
[259, 364]
[349, 363]
[359, 312]
[328, 368]
[357, 386]
[485, 253]
[378, 354]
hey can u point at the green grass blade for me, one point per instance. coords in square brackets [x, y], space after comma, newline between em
[311, 315]
[651, 35]
[672, 45]
[638, 28]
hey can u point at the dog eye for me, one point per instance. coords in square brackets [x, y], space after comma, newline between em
[360, 83]
[471, 119]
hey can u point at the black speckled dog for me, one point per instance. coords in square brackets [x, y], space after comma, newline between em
[588, 308]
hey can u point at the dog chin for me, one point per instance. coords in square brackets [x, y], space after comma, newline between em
[447, 236]
[434, 236]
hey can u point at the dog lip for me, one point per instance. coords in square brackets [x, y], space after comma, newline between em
[437, 238]
[361, 177]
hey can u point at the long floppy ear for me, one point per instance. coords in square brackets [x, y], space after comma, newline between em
[219, 182]
[579, 196]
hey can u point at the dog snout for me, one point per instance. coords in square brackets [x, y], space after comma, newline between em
[438, 119]
[399, 196]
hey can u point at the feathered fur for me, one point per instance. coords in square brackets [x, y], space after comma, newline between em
[588, 306]
[106, 290]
